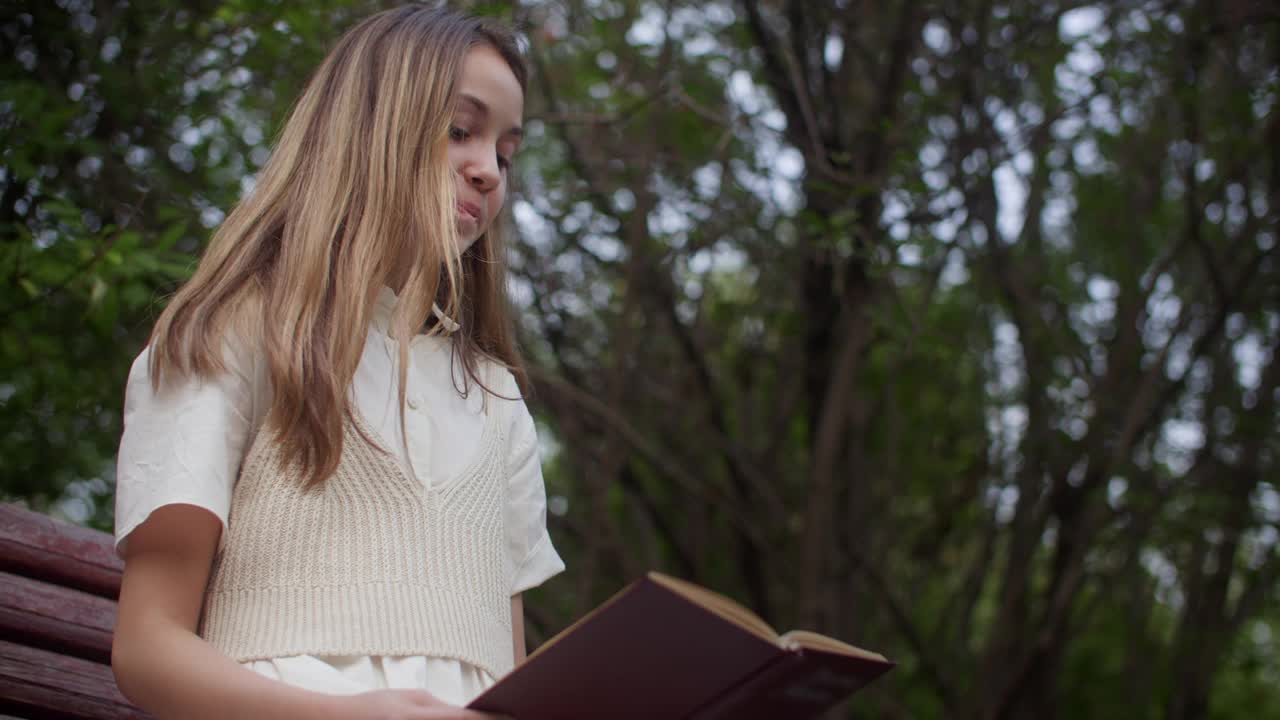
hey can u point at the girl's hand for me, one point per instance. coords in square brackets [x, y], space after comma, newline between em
[408, 705]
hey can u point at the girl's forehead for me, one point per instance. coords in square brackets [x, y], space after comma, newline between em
[488, 86]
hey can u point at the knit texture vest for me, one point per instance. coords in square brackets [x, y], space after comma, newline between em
[371, 562]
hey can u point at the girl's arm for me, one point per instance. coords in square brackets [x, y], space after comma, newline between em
[160, 663]
[163, 666]
[517, 626]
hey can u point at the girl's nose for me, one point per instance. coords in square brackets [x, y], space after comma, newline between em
[482, 174]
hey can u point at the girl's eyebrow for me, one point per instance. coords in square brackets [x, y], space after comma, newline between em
[480, 107]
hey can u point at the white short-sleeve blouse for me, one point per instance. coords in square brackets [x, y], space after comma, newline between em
[184, 445]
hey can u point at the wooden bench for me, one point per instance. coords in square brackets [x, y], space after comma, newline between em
[58, 590]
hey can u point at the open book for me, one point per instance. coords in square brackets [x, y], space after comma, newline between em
[666, 648]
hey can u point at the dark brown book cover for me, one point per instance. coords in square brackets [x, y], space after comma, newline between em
[664, 648]
[800, 684]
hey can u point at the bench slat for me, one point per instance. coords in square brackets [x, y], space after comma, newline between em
[58, 586]
[36, 546]
[56, 618]
[38, 683]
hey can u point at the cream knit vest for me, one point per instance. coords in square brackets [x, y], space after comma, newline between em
[370, 563]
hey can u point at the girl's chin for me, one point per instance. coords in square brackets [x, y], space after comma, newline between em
[466, 240]
[468, 231]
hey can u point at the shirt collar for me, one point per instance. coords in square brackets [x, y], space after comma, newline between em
[386, 305]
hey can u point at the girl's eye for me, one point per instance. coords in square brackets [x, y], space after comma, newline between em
[457, 134]
[503, 162]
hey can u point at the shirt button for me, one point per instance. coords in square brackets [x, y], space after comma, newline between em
[413, 403]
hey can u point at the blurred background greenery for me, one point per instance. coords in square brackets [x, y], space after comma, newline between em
[947, 327]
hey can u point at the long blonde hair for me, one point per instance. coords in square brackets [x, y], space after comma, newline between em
[357, 189]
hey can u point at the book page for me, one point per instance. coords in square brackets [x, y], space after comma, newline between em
[718, 604]
[806, 639]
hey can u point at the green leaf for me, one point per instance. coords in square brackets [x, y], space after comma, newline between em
[171, 235]
[98, 289]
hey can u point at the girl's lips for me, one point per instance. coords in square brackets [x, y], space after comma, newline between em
[469, 209]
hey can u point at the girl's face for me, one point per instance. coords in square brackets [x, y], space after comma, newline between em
[484, 136]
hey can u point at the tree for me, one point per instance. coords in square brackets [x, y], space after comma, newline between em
[937, 406]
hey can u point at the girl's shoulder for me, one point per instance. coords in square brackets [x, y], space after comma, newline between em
[499, 378]
[207, 344]
[235, 353]
[172, 382]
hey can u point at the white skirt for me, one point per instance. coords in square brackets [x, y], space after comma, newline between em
[453, 681]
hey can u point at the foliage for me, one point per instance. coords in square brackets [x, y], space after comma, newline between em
[129, 129]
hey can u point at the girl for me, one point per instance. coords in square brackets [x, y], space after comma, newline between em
[328, 496]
